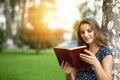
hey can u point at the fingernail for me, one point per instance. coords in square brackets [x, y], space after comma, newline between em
[80, 54]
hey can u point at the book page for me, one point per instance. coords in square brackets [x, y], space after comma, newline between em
[78, 47]
[62, 47]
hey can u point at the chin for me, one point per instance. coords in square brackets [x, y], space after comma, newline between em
[88, 42]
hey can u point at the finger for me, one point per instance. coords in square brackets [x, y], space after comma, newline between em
[62, 64]
[66, 64]
[88, 52]
[85, 56]
[69, 65]
[85, 59]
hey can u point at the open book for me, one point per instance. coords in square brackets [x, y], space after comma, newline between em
[71, 55]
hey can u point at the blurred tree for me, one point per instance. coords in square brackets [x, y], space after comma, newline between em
[2, 38]
[58, 33]
[37, 14]
[8, 18]
[9, 12]
[20, 23]
[86, 11]
[23, 2]
[74, 35]
[37, 34]
[110, 27]
[2, 25]
[37, 38]
[1, 1]
[13, 4]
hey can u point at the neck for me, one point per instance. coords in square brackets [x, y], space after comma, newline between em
[94, 48]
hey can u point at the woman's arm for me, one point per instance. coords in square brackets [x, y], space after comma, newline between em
[104, 70]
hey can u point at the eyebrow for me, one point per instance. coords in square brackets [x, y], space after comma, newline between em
[88, 29]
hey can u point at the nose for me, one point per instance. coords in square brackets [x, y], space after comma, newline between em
[86, 34]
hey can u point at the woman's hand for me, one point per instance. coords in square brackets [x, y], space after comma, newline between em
[66, 67]
[89, 58]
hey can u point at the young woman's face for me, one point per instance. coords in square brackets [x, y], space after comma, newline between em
[87, 33]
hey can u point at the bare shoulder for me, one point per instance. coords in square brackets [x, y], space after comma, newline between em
[108, 58]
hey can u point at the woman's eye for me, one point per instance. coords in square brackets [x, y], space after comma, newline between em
[89, 30]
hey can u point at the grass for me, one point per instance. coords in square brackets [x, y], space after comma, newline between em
[26, 65]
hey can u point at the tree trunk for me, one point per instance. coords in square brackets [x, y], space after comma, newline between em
[23, 2]
[111, 29]
[8, 18]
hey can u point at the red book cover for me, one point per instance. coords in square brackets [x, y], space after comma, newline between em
[71, 55]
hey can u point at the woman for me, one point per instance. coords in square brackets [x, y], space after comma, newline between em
[100, 56]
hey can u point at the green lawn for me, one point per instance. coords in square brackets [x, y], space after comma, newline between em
[26, 65]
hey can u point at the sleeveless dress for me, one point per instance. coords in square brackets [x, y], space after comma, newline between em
[88, 73]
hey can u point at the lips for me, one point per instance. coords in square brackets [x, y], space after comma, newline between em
[87, 39]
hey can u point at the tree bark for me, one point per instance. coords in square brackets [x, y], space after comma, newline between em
[111, 29]
[23, 2]
[8, 18]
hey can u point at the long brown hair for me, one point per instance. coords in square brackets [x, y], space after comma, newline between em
[99, 37]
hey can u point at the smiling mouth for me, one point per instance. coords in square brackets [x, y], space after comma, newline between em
[87, 39]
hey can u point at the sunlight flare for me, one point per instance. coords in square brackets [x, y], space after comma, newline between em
[65, 15]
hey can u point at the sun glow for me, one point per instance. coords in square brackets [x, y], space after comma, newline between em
[65, 15]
